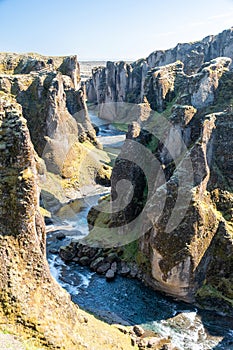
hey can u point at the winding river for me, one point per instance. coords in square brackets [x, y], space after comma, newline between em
[125, 300]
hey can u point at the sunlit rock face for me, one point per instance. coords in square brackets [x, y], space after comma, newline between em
[49, 91]
[26, 285]
[32, 304]
[190, 88]
[126, 82]
[54, 105]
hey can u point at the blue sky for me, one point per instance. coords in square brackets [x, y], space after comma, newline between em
[105, 29]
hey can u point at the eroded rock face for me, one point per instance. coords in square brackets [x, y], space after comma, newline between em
[165, 84]
[182, 251]
[13, 63]
[25, 276]
[126, 82]
[50, 96]
[193, 55]
[54, 105]
[160, 86]
[31, 302]
[177, 251]
[192, 140]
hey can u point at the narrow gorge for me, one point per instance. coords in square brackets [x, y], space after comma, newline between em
[126, 179]
[185, 120]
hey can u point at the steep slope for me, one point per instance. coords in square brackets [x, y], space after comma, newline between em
[180, 212]
[54, 104]
[32, 304]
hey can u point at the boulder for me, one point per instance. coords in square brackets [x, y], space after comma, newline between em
[67, 253]
[84, 261]
[112, 257]
[103, 268]
[96, 263]
[134, 270]
[138, 330]
[60, 236]
[110, 275]
[124, 269]
[114, 267]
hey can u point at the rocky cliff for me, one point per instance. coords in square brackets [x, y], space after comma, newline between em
[32, 305]
[120, 81]
[184, 200]
[54, 104]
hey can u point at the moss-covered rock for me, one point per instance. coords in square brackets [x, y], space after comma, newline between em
[185, 258]
[32, 304]
[57, 117]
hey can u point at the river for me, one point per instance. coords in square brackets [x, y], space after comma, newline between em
[125, 300]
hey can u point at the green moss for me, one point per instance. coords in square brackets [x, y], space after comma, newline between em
[222, 180]
[223, 94]
[153, 144]
[208, 292]
[121, 126]
[130, 251]
[45, 212]
[132, 254]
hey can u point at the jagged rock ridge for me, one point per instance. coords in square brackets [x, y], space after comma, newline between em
[123, 82]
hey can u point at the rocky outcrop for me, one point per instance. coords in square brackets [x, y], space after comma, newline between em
[126, 82]
[54, 105]
[14, 64]
[169, 84]
[194, 55]
[48, 95]
[186, 254]
[178, 205]
[32, 304]
[109, 262]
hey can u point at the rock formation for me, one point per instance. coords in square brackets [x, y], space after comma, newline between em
[32, 304]
[120, 81]
[54, 104]
[187, 217]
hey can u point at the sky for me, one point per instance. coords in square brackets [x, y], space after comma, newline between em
[108, 30]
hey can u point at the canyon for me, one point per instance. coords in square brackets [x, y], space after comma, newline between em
[171, 221]
[186, 124]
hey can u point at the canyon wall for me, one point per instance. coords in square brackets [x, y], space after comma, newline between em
[187, 208]
[32, 305]
[120, 81]
[54, 104]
